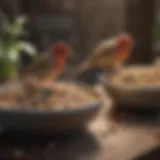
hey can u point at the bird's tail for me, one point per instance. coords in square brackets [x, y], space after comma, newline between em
[35, 64]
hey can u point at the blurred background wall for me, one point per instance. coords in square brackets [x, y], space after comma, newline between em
[83, 23]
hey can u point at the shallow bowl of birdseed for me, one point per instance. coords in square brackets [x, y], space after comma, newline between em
[71, 105]
[136, 86]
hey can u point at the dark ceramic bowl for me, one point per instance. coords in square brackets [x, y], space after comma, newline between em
[49, 120]
[134, 95]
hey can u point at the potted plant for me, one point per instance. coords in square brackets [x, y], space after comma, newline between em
[11, 45]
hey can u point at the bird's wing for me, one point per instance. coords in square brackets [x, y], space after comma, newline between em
[107, 44]
[104, 52]
[42, 58]
[100, 55]
[39, 65]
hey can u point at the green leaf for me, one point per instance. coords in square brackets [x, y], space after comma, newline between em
[10, 45]
[28, 48]
[17, 28]
[7, 69]
[1, 48]
[21, 20]
[13, 56]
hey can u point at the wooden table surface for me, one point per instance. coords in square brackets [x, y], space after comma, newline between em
[104, 139]
[123, 138]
